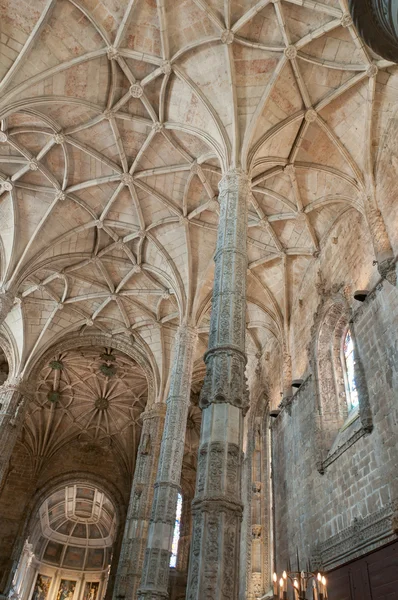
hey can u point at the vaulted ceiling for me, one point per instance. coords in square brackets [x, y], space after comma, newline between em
[75, 528]
[117, 120]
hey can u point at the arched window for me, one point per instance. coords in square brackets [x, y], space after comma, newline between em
[349, 375]
[176, 534]
[343, 414]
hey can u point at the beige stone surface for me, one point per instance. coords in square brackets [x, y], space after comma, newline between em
[118, 120]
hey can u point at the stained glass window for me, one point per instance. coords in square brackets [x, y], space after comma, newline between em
[176, 534]
[351, 388]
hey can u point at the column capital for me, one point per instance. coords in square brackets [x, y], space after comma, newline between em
[19, 385]
[233, 179]
[187, 332]
[158, 409]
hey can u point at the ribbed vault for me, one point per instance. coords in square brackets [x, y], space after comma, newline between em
[117, 121]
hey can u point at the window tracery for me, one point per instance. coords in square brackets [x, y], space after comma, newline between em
[343, 405]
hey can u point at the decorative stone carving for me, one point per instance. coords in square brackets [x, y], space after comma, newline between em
[3, 137]
[154, 581]
[363, 536]
[256, 532]
[112, 53]
[59, 138]
[13, 399]
[7, 185]
[227, 36]
[136, 529]
[346, 20]
[330, 321]
[136, 90]
[165, 67]
[311, 115]
[290, 52]
[126, 178]
[372, 70]
[33, 165]
[388, 270]
[289, 169]
[217, 507]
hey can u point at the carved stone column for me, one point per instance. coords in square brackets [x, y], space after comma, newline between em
[137, 521]
[6, 302]
[185, 534]
[155, 574]
[381, 242]
[287, 392]
[217, 507]
[13, 399]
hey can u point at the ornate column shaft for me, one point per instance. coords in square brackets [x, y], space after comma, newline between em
[381, 241]
[13, 397]
[287, 391]
[155, 574]
[217, 507]
[137, 521]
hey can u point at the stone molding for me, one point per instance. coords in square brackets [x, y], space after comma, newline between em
[332, 317]
[363, 536]
[331, 458]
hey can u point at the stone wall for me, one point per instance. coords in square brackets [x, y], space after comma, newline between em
[349, 509]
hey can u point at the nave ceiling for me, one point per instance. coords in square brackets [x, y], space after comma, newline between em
[117, 121]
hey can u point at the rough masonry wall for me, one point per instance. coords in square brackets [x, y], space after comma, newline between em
[310, 508]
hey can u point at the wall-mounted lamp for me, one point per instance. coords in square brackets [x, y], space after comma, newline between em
[361, 295]
[297, 383]
[274, 413]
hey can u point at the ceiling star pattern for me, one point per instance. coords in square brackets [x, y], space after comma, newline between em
[93, 395]
[117, 120]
